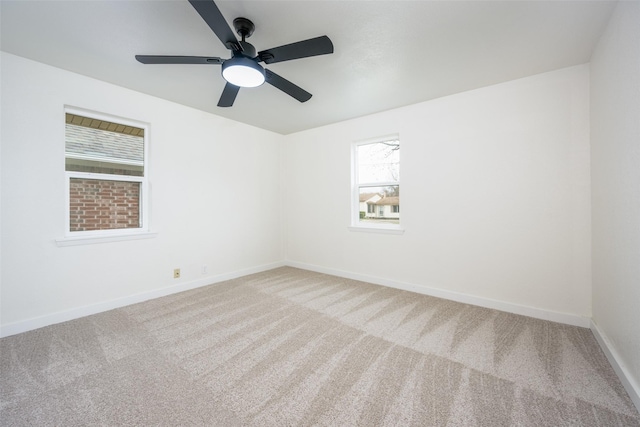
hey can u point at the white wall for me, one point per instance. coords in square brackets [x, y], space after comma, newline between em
[215, 188]
[615, 142]
[495, 197]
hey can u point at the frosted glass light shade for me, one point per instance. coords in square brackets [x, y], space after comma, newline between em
[243, 72]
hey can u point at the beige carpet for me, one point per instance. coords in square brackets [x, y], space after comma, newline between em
[294, 348]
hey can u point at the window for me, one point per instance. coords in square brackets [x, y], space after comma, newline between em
[106, 175]
[376, 184]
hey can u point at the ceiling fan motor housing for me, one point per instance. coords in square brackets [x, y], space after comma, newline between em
[247, 50]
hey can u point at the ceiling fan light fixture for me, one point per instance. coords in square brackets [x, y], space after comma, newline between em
[243, 72]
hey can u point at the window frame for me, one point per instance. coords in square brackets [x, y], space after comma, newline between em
[98, 236]
[355, 223]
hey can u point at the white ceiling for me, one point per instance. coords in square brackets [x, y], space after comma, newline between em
[387, 53]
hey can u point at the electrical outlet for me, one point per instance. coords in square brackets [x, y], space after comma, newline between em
[205, 269]
[176, 273]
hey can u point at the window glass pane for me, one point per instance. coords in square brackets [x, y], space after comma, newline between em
[379, 162]
[103, 204]
[100, 146]
[379, 204]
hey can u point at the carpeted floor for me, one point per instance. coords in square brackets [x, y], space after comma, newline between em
[290, 347]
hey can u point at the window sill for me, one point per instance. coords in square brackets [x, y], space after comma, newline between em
[379, 230]
[93, 239]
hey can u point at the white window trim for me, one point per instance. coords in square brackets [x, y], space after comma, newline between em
[355, 223]
[105, 160]
[103, 236]
[91, 240]
[382, 229]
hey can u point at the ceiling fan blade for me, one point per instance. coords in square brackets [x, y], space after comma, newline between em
[286, 86]
[213, 17]
[165, 59]
[303, 49]
[228, 95]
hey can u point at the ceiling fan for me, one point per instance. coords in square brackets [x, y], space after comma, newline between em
[243, 68]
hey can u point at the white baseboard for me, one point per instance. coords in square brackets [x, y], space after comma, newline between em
[568, 319]
[63, 316]
[632, 387]
[75, 313]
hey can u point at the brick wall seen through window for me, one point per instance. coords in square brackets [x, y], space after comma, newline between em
[103, 205]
